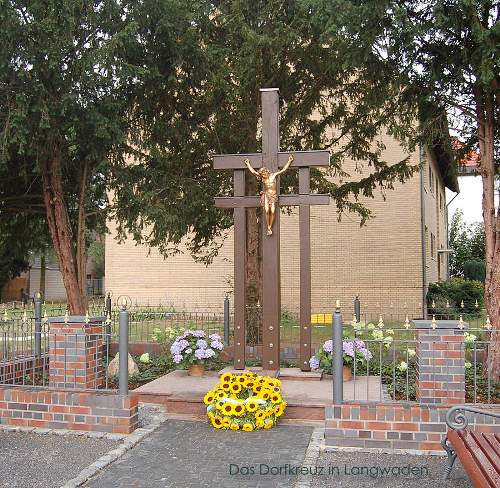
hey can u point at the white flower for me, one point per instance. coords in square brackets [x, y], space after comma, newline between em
[378, 334]
[469, 337]
[370, 326]
[390, 331]
[402, 366]
[411, 352]
[144, 358]
[468, 365]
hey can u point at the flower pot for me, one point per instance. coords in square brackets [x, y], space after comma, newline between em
[196, 370]
[346, 373]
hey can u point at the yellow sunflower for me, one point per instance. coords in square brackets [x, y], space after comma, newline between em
[217, 422]
[226, 386]
[220, 394]
[236, 387]
[209, 398]
[276, 398]
[241, 379]
[250, 383]
[234, 426]
[247, 427]
[226, 422]
[268, 424]
[264, 394]
[260, 415]
[259, 424]
[227, 409]
[252, 405]
[219, 405]
[238, 410]
[226, 378]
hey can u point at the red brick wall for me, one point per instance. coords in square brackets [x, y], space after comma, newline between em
[68, 409]
[13, 371]
[393, 426]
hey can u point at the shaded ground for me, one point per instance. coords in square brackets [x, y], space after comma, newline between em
[46, 461]
[341, 469]
[192, 454]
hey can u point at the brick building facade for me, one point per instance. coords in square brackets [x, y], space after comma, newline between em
[388, 262]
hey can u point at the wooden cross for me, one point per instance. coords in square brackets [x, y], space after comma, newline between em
[273, 159]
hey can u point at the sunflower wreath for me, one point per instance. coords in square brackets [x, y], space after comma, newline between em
[245, 402]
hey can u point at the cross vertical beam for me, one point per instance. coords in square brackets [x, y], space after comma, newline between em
[271, 290]
[240, 253]
[305, 271]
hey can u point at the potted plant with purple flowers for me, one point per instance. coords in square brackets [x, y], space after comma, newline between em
[353, 351]
[192, 349]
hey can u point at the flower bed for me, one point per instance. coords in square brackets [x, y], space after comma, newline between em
[245, 402]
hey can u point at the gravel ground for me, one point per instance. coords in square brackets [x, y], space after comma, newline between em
[341, 468]
[46, 461]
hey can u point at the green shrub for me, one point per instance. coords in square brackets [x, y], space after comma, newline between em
[475, 270]
[455, 291]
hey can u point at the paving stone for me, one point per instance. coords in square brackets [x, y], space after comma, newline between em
[188, 454]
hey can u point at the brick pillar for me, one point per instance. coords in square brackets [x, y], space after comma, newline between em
[441, 364]
[76, 353]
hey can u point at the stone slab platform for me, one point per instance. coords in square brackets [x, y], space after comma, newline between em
[181, 393]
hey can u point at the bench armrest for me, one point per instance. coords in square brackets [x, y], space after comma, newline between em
[457, 420]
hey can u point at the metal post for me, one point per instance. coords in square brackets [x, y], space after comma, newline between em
[338, 363]
[123, 351]
[107, 326]
[38, 325]
[357, 309]
[226, 320]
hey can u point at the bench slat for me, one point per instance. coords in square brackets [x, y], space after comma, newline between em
[474, 461]
[490, 447]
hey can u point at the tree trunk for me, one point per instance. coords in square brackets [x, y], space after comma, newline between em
[81, 244]
[485, 119]
[43, 267]
[60, 229]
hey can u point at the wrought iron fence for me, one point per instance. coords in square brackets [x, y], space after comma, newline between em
[75, 358]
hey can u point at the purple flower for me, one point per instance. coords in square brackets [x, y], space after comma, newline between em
[216, 344]
[198, 333]
[177, 358]
[328, 346]
[201, 344]
[314, 362]
[175, 348]
[214, 337]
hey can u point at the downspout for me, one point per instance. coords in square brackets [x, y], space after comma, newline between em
[422, 232]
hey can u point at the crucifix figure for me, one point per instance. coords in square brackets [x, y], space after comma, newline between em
[269, 193]
[268, 166]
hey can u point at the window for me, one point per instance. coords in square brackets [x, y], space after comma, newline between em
[431, 179]
[433, 246]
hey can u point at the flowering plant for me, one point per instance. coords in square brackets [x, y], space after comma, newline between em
[353, 351]
[193, 347]
[245, 402]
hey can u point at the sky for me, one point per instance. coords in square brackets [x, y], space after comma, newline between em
[468, 200]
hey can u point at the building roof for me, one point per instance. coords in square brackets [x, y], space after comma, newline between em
[469, 164]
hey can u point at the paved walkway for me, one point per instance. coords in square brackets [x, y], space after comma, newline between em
[184, 454]
[345, 469]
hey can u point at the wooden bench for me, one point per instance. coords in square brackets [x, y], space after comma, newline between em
[478, 449]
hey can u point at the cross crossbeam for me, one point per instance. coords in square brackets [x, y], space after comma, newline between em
[300, 159]
[272, 159]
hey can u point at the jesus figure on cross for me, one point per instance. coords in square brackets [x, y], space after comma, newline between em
[269, 193]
